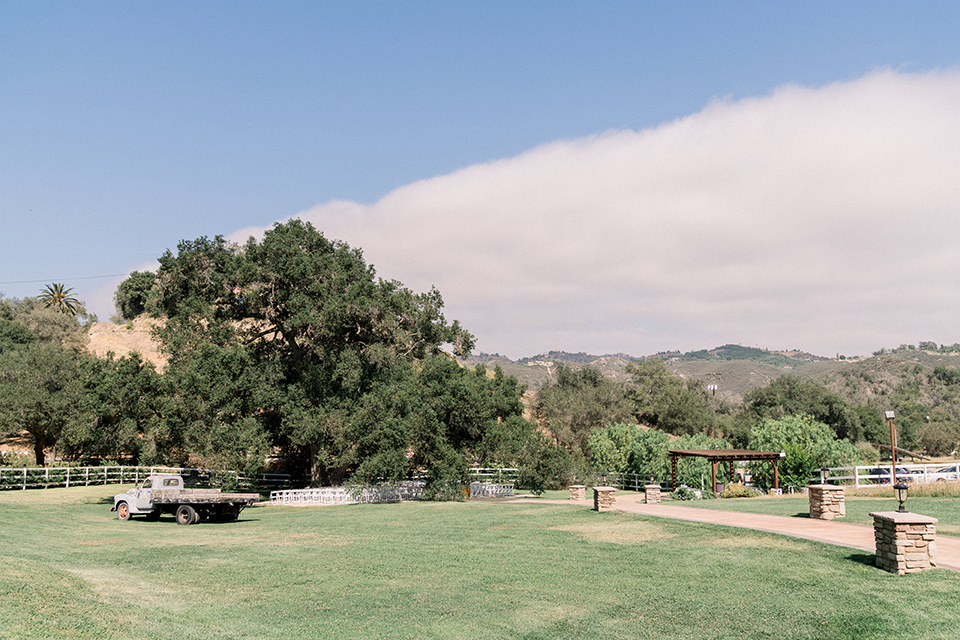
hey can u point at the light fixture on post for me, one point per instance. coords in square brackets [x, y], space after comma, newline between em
[604, 476]
[900, 492]
[824, 474]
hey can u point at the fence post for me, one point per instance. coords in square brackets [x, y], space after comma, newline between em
[24, 478]
[68, 477]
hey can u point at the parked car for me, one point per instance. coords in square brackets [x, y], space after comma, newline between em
[943, 474]
[881, 475]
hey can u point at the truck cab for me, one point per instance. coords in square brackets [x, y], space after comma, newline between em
[138, 501]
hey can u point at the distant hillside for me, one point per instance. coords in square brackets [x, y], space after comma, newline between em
[736, 369]
[740, 368]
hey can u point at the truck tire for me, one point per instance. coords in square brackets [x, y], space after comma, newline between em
[123, 511]
[186, 515]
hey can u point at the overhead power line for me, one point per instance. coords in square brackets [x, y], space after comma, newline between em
[113, 275]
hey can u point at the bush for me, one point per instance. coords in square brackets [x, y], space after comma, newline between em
[739, 491]
[808, 445]
[684, 493]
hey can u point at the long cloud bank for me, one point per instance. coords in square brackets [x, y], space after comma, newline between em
[819, 218]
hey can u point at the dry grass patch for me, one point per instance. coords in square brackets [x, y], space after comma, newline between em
[616, 531]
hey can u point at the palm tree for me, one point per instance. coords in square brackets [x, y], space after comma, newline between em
[57, 296]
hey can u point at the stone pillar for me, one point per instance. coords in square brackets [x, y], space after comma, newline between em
[906, 542]
[578, 492]
[604, 498]
[652, 493]
[826, 502]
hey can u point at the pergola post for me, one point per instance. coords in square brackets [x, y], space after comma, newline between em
[673, 471]
[713, 476]
[776, 474]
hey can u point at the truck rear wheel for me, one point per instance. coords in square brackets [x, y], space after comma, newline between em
[186, 515]
[123, 511]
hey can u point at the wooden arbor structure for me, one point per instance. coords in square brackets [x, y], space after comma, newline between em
[716, 456]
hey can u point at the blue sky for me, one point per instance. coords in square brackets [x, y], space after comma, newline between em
[126, 127]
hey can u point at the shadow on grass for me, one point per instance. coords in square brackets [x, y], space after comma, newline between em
[868, 559]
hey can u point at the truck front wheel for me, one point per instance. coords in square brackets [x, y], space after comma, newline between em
[186, 515]
[123, 511]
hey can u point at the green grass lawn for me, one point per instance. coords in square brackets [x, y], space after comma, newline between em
[439, 570]
[947, 510]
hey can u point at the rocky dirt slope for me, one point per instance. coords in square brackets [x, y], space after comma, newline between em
[121, 339]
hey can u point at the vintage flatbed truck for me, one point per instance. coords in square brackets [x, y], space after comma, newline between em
[165, 493]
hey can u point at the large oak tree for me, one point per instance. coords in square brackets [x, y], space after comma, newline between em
[312, 339]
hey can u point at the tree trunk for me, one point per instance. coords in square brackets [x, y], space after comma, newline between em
[39, 441]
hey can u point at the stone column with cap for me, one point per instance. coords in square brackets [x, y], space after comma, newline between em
[826, 501]
[906, 542]
[604, 498]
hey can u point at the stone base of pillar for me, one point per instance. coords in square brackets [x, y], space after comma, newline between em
[906, 542]
[652, 493]
[578, 492]
[604, 498]
[826, 501]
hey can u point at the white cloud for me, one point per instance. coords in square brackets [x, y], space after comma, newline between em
[820, 218]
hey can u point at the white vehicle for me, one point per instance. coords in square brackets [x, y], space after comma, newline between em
[943, 474]
[164, 493]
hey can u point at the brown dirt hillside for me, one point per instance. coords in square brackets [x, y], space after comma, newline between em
[122, 339]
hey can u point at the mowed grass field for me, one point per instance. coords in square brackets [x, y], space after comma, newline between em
[438, 570]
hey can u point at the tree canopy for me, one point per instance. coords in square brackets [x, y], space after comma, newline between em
[59, 297]
[292, 341]
[579, 401]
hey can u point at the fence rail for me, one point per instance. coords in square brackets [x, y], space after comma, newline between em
[46, 477]
[484, 474]
[866, 475]
[625, 481]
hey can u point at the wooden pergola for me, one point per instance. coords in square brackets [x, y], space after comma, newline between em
[716, 456]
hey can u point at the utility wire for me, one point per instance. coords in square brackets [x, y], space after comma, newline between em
[114, 275]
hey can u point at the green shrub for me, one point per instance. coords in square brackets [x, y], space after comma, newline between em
[739, 491]
[683, 493]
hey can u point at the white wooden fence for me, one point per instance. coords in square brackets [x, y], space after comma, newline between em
[45, 477]
[865, 475]
[484, 474]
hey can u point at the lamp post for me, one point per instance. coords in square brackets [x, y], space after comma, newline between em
[824, 474]
[900, 492]
[712, 388]
[889, 415]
